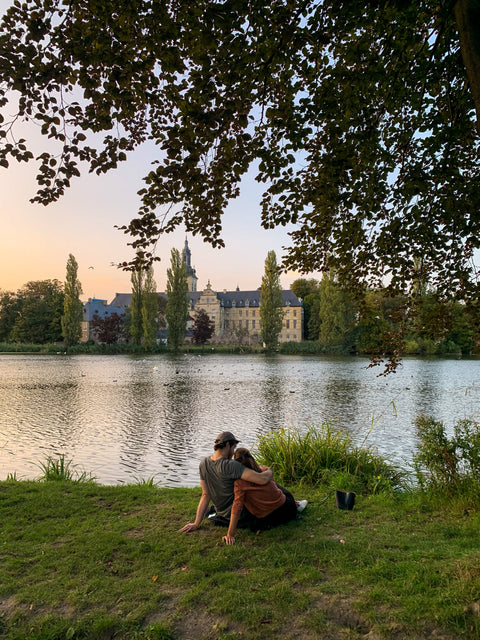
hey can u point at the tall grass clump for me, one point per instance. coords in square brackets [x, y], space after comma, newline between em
[324, 455]
[60, 470]
[447, 463]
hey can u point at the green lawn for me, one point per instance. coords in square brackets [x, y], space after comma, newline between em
[80, 560]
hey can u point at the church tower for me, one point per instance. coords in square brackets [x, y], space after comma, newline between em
[192, 275]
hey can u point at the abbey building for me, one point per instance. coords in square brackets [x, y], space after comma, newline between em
[235, 314]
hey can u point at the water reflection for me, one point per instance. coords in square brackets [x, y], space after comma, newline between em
[123, 419]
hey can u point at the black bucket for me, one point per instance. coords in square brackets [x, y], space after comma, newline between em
[344, 499]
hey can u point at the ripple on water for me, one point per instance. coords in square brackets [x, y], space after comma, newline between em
[123, 419]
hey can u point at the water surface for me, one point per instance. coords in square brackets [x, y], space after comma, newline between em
[122, 418]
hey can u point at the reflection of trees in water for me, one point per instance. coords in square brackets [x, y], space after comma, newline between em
[341, 403]
[55, 387]
[159, 413]
[272, 391]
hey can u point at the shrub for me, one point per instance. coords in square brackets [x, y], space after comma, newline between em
[325, 455]
[443, 462]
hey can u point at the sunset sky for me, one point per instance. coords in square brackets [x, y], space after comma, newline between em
[35, 240]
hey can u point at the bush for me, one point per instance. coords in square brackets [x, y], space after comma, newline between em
[443, 462]
[325, 455]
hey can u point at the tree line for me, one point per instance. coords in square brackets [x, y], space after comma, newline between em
[48, 311]
[428, 324]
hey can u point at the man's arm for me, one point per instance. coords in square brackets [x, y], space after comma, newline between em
[257, 478]
[201, 510]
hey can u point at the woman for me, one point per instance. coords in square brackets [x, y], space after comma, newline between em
[269, 504]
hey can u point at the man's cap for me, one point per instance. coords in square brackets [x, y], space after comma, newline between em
[226, 436]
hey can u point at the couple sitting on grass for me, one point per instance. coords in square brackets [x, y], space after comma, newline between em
[243, 493]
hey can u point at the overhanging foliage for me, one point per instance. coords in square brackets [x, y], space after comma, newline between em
[359, 116]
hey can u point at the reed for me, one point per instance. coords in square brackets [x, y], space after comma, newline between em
[327, 455]
[60, 470]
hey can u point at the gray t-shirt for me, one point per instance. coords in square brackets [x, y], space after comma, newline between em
[219, 476]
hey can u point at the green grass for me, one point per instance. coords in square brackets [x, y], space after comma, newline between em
[79, 560]
[59, 469]
[327, 455]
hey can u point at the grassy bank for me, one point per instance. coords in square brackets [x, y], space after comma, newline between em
[80, 560]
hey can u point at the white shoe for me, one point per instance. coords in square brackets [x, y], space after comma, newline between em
[301, 504]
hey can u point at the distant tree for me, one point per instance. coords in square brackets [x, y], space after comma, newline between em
[178, 304]
[302, 287]
[72, 305]
[271, 303]
[336, 312]
[372, 324]
[108, 330]
[149, 309]
[313, 323]
[203, 327]
[10, 305]
[308, 290]
[40, 315]
[136, 320]
[162, 305]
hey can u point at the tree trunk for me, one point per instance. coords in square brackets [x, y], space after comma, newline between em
[467, 16]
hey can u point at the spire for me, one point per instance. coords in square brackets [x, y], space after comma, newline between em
[187, 255]
[187, 259]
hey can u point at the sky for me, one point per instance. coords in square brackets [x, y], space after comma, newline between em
[36, 240]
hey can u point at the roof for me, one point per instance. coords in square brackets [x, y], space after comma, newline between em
[124, 300]
[227, 298]
[101, 309]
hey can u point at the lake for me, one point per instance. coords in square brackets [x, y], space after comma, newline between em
[123, 419]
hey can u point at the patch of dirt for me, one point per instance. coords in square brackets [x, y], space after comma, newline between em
[8, 606]
[200, 625]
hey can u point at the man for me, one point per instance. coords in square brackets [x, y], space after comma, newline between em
[217, 475]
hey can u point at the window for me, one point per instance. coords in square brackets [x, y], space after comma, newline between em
[253, 313]
[246, 324]
[239, 313]
[253, 324]
[246, 313]
[288, 324]
[294, 312]
[294, 324]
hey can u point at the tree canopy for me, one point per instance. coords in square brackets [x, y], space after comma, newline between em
[361, 119]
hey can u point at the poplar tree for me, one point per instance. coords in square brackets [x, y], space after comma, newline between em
[149, 309]
[72, 305]
[178, 303]
[336, 315]
[136, 320]
[271, 303]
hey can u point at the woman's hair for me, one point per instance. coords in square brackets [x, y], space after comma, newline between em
[245, 457]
